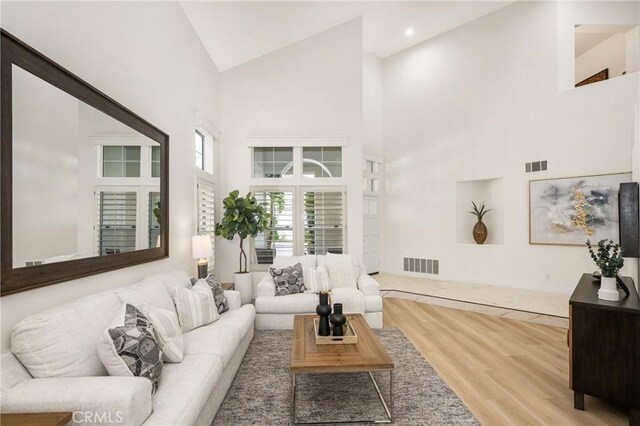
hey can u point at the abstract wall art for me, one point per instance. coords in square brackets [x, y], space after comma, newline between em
[569, 211]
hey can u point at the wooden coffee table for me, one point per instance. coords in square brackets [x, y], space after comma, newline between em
[35, 419]
[367, 356]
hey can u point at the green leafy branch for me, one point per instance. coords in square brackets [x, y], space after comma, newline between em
[479, 212]
[608, 258]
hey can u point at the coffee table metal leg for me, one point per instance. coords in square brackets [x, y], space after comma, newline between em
[384, 403]
[293, 398]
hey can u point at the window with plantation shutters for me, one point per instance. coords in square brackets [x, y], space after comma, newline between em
[206, 215]
[278, 239]
[116, 221]
[323, 221]
[153, 210]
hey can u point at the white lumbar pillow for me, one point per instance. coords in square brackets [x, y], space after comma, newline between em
[341, 272]
[195, 306]
[168, 331]
[322, 279]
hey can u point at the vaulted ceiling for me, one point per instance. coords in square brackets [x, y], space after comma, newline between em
[234, 32]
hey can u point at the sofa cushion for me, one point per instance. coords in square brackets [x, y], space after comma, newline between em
[289, 280]
[129, 346]
[195, 306]
[168, 332]
[223, 336]
[301, 303]
[62, 341]
[150, 291]
[352, 300]
[185, 389]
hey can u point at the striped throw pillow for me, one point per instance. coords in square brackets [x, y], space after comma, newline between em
[195, 306]
[323, 283]
[168, 332]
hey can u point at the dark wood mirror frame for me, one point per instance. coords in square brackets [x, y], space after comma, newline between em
[13, 280]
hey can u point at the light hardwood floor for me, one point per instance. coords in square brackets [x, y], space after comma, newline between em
[507, 372]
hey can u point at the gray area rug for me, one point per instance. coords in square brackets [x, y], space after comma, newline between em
[260, 392]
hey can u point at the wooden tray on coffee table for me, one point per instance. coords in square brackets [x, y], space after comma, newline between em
[350, 336]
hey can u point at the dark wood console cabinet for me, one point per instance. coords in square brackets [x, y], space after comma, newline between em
[604, 346]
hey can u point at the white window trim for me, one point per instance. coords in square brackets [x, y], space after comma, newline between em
[296, 141]
[297, 179]
[298, 216]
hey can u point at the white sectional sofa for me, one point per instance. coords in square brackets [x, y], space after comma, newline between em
[277, 312]
[66, 374]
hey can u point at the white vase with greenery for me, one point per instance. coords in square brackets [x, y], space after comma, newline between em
[609, 261]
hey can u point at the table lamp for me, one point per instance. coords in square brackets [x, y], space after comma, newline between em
[201, 248]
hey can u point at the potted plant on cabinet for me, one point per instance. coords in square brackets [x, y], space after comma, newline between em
[609, 261]
[480, 232]
[244, 217]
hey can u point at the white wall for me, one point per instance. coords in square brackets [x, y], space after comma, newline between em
[610, 54]
[372, 103]
[146, 56]
[310, 88]
[477, 103]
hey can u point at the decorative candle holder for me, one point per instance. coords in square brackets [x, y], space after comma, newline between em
[324, 310]
[338, 319]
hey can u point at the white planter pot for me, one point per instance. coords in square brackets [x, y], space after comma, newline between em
[244, 285]
[608, 289]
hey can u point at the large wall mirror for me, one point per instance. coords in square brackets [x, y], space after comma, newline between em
[84, 181]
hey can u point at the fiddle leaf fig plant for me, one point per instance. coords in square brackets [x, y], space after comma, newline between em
[608, 257]
[245, 217]
[479, 212]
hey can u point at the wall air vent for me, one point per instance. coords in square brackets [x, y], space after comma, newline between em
[535, 166]
[422, 266]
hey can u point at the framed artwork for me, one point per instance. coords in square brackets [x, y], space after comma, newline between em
[568, 211]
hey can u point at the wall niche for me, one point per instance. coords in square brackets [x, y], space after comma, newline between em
[491, 192]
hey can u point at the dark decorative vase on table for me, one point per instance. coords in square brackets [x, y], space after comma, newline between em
[480, 232]
[324, 310]
[338, 320]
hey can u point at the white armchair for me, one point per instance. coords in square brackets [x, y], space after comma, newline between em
[277, 312]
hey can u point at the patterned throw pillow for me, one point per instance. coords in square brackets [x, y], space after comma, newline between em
[130, 347]
[218, 294]
[195, 306]
[289, 280]
[167, 328]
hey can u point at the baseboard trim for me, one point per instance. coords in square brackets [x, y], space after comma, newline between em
[474, 303]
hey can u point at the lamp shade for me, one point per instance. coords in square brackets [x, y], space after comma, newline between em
[201, 246]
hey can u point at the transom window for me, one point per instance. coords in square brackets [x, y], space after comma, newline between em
[322, 162]
[289, 162]
[121, 161]
[272, 162]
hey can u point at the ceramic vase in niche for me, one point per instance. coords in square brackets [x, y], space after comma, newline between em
[608, 289]
[324, 310]
[338, 319]
[480, 232]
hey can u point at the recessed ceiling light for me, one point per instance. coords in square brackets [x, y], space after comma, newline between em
[409, 32]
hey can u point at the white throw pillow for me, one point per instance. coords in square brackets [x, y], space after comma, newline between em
[195, 306]
[61, 342]
[322, 281]
[341, 272]
[150, 291]
[167, 330]
[310, 276]
[129, 346]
